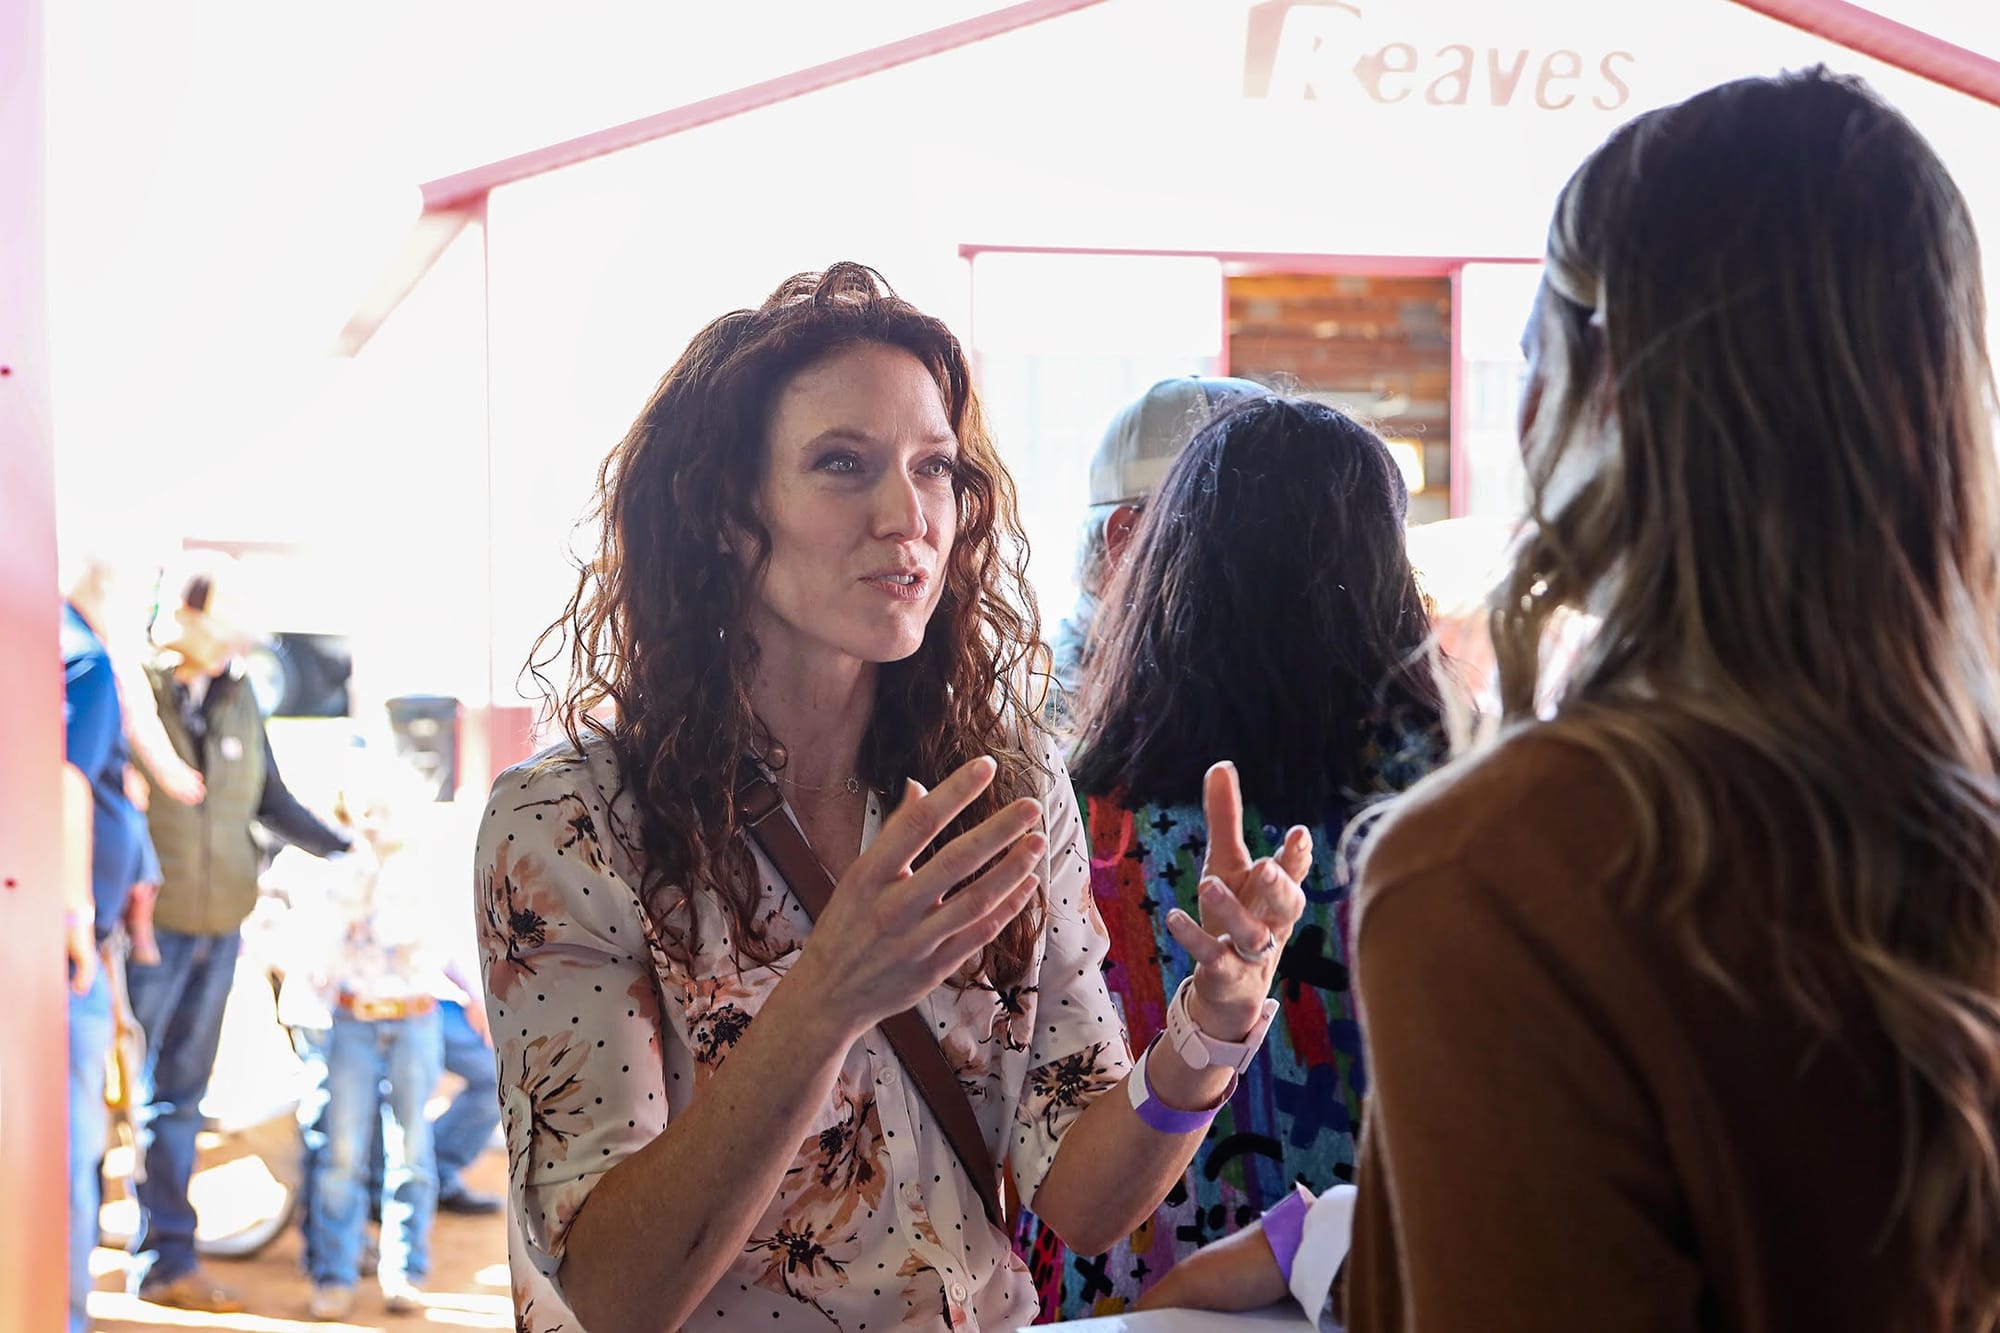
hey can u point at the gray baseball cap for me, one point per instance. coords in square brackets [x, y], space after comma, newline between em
[1143, 439]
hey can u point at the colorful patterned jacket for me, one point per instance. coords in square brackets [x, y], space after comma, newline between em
[1295, 1114]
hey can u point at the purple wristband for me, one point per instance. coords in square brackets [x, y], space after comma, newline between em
[1157, 1115]
[1284, 1226]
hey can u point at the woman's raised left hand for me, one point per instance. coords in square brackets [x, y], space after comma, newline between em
[1248, 909]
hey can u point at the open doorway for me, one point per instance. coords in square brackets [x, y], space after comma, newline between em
[1426, 349]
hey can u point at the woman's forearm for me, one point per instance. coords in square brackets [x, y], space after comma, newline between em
[1112, 1168]
[663, 1226]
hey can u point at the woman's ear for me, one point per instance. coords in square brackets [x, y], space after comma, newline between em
[1118, 528]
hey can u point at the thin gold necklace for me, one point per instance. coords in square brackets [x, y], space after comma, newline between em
[851, 785]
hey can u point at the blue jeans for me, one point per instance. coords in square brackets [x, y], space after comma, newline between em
[458, 1135]
[89, 1046]
[178, 1001]
[350, 1064]
[466, 1126]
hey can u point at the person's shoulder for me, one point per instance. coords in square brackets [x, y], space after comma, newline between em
[1515, 850]
[81, 648]
[549, 823]
[560, 768]
[1531, 791]
[559, 783]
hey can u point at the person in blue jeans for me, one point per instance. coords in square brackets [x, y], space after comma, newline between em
[462, 1131]
[348, 1063]
[458, 1135]
[208, 887]
[90, 1036]
[121, 855]
[362, 994]
[464, 1128]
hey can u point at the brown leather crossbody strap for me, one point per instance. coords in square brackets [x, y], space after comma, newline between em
[757, 800]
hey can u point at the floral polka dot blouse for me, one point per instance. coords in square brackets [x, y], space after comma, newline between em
[601, 1035]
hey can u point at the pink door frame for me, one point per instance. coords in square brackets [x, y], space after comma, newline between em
[34, 1047]
[1386, 266]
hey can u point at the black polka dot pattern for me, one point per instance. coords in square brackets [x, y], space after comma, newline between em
[618, 1033]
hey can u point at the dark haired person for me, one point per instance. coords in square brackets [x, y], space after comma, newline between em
[1264, 610]
[807, 610]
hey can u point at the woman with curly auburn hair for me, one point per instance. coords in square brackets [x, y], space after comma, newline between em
[1683, 1006]
[790, 950]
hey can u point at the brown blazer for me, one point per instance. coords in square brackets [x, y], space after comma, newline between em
[1570, 1127]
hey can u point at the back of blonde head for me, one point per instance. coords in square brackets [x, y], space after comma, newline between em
[1762, 456]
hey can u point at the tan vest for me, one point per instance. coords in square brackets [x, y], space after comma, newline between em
[208, 864]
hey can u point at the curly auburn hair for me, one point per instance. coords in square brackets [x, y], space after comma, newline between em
[657, 626]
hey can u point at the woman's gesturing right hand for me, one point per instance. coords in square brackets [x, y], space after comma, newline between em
[890, 936]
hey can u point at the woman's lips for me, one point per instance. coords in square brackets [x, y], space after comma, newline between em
[907, 585]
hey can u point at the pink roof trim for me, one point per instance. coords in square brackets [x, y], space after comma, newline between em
[423, 245]
[1850, 25]
[1862, 30]
[452, 191]
[1287, 261]
[1882, 38]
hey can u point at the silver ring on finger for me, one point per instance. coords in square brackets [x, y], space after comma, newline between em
[1256, 955]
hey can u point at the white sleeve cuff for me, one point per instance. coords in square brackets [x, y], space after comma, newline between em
[1329, 1230]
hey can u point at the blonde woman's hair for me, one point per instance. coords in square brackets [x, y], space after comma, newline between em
[1762, 457]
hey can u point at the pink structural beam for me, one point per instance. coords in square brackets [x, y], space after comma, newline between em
[449, 199]
[1883, 38]
[423, 246]
[1839, 21]
[465, 186]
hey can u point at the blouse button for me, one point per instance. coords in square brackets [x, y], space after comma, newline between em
[887, 1076]
[911, 1194]
[958, 1292]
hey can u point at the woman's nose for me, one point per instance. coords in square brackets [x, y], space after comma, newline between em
[899, 509]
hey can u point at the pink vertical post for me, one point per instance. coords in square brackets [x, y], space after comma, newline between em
[494, 736]
[34, 1123]
[1459, 494]
[476, 745]
[1222, 359]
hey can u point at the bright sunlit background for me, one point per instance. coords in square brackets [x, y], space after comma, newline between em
[227, 180]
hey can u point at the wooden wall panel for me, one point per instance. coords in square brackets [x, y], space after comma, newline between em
[1379, 345]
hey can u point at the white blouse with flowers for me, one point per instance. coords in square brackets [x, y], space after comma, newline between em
[601, 1035]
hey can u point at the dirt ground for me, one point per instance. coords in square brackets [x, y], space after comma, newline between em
[467, 1287]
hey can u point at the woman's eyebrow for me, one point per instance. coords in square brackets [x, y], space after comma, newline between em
[847, 434]
[855, 435]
